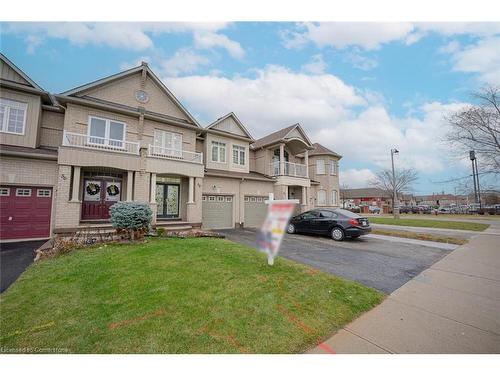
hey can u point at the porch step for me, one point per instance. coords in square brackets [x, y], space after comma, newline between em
[174, 225]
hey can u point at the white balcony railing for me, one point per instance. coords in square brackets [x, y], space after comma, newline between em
[289, 169]
[99, 143]
[170, 153]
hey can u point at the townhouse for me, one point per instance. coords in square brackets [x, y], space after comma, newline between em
[67, 158]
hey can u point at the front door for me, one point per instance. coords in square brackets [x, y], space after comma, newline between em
[98, 196]
[167, 199]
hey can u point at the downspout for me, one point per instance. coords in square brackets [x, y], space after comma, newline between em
[240, 203]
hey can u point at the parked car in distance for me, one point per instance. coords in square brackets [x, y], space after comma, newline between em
[374, 209]
[424, 209]
[405, 209]
[336, 223]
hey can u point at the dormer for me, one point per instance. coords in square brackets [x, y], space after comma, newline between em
[227, 144]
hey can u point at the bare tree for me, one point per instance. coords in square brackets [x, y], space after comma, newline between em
[477, 127]
[343, 193]
[404, 178]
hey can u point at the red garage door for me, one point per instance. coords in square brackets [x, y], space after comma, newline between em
[25, 212]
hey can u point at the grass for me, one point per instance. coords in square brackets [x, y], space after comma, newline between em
[429, 223]
[196, 295]
[420, 236]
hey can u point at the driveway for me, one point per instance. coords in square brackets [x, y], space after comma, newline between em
[378, 263]
[14, 258]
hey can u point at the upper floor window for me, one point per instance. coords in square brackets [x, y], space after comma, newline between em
[168, 143]
[218, 152]
[12, 116]
[106, 132]
[238, 155]
[334, 167]
[321, 197]
[320, 166]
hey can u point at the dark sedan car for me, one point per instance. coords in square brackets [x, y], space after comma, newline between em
[336, 223]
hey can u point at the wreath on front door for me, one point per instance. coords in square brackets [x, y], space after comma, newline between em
[112, 190]
[93, 188]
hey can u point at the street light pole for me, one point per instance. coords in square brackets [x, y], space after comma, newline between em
[472, 156]
[395, 205]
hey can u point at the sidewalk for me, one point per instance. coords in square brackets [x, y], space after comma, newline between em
[452, 307]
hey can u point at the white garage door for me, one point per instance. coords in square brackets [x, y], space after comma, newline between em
[255, 211]
[217, 211]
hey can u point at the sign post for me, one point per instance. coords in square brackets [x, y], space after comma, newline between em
[272, 231]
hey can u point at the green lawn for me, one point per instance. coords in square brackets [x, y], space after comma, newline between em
[195, 295]
[429, 223]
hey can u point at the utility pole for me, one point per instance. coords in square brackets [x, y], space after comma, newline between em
[395, 205]
[472, 156]
[478, 188]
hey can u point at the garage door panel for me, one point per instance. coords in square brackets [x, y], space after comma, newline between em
[255, 211]
[217, 212]
[25, 216]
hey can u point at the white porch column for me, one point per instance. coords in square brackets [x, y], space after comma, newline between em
[191, 190]
[306, 162]
[153, 188]
[76, 184]
[282, 159]
[130, 185]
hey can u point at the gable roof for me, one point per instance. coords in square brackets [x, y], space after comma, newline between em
[280, 135]
[236, 119]
[77, 91]
[322, 150]
[13, 66]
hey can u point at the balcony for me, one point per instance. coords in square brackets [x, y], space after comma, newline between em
[98, 143]
[174, 154]
[290, 169]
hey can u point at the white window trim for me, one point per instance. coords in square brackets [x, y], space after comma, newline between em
[6, 189]
[219, 143]
[317, 196]
[22, 195]
[43, 196]
[240, 149]
[106, 132]
[20, 105]
[157, 131]
[333, 167]
[317, 169]
[335, 194]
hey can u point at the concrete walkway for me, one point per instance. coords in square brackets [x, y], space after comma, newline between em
[452, 307]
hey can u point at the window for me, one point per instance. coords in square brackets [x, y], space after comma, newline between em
[253, 199]
[20, 192]
[218, 152]
[310, 215]
[168, 143]
[211, 198]
[4, 192]
[106, 132]
[333, 167]
[327, 214]
[204, 198]
[220, 199]
[259, 199]
[12, 116]
[320, 166]
[43, 193]
[321, 197]
[238, 155]
[246, 199]
[334, 197]
[229, 199]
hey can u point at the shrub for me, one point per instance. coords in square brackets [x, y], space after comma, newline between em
[133, 217]
[160, 231]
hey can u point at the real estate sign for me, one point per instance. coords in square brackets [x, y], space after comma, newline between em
[272, 231]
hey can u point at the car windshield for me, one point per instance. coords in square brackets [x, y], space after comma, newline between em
[347, 213]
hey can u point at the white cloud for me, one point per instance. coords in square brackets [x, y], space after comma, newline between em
[316, 66]
[208, 40]
[360, 61]
[356, 178]
[183, 61]
[482, 58]
[274, 98]
[371, 35]
[124, 35]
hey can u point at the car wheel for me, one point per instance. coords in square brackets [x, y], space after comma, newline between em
[338, 234]
[290, 228]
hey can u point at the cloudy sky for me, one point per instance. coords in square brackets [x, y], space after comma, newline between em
[358, 88]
